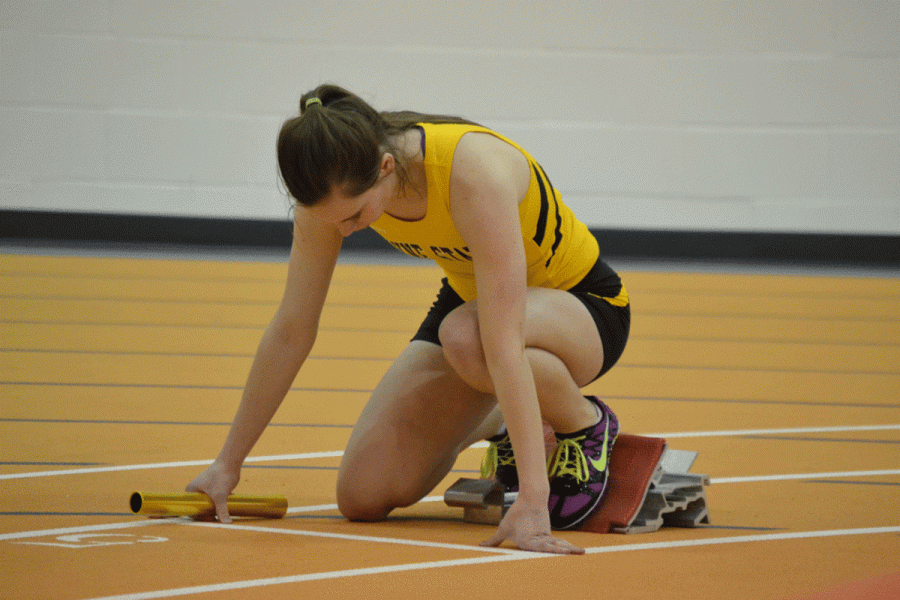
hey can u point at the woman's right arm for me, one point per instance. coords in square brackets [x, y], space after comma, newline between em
[284, 347]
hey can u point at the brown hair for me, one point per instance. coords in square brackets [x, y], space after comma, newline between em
[339, 141]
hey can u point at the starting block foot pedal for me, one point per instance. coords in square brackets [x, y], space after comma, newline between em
[482, 500]
[649, 486]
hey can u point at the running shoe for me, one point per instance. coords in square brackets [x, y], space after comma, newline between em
[499, 462]
[578, 469]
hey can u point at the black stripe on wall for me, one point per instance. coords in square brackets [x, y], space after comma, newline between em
[38, 227]
[142, 229]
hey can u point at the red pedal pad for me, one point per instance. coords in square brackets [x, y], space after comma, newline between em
[632, 464]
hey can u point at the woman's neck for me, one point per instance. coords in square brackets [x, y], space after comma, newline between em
[411, 201]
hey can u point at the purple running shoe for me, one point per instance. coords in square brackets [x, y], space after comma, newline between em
[578, 470]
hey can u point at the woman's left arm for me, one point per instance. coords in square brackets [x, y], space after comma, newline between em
[488, 180]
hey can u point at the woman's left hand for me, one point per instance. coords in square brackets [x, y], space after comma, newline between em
[528, 527]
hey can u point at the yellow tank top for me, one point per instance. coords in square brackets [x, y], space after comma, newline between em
[560, 250]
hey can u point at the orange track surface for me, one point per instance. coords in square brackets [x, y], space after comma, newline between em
[119, 375]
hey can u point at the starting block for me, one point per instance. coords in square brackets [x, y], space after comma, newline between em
[482, 500]
[649, 486]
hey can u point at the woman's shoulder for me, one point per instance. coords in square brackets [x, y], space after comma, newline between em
[484, 159]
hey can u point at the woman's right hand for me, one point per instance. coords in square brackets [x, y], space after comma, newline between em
[528, 527]
[217, 482]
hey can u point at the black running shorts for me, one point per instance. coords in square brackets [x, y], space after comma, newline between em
[600, 291]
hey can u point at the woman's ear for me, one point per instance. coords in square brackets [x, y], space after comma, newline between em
[388, 165]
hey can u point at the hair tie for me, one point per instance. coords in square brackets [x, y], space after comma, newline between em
[312, 100]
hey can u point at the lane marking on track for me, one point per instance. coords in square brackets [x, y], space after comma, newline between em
[740, 432]
[713, 480]
[171, 521]
[313, 508]
[765, 537]
[253, 583]
[327, 507]
[339, 453]
[358, 538]
[795, 476]
[169, 465]
[19, 535]
[334, 507]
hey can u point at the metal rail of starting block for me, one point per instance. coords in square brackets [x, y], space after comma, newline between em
[674, 498]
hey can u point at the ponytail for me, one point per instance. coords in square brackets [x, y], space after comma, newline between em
[336, 140]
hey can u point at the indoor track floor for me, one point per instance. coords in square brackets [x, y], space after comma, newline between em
[121, 373]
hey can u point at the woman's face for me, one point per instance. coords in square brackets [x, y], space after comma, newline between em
[352, 213]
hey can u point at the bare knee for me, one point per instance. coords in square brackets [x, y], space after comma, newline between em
[365, 493]
[358, 502]
[360, 507]
[461, 342]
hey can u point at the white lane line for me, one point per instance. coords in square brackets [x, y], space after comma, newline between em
[170, 465]
[764, 537]
[145, 522]
[331, 507]
[186, 463]
[252, 583]
[790, 476]
[169, 521]
[327, 507]
[339, 453]
[19, 535]
[313, 508]
[240, 527]
[740, 432]
[357, 538]
[333, 454]
[713, 480]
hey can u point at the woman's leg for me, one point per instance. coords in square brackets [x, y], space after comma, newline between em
[407, 438]
[562, 345]
[433, 402]
[565, 350]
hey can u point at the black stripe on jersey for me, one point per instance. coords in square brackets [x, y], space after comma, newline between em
[557, 233]
[558, 230]
[545, 207]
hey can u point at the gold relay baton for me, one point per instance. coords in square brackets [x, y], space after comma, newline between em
[199, 506]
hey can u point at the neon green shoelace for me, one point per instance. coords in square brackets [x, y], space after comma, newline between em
[569, 459]
[496, 456]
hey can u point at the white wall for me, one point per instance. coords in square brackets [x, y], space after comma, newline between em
[756, 115]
